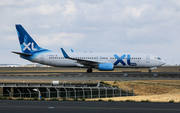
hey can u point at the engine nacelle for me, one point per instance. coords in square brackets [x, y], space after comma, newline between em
[106, 67]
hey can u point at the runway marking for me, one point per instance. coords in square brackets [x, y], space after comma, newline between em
[144, 109]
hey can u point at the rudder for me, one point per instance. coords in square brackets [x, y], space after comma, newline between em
[28, 45]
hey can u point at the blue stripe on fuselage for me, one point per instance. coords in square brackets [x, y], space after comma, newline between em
[35, 54]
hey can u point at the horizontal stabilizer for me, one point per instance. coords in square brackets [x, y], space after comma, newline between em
[25, 54]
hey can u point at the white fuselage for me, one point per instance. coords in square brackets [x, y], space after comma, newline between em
[57, 59]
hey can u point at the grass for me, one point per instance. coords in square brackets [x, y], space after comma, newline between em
[102, 82]
[110, 100]
[145, 101]
[54, 99]
[145, 83]
[115, 86]
[149, 87]
[20, 98]
[35, 98]
[83, 99]
[3, 98]
[42, 98]
[171, 101]
[65, 99]
[75, 99]
[9, 98]
[129, 101]
[100, 100]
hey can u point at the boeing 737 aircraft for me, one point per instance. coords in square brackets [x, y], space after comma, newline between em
[102, 61]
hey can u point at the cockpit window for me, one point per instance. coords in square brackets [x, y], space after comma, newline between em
[158, 58]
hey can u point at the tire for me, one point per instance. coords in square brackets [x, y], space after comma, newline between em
[89, 70]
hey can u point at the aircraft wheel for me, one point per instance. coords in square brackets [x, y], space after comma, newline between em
[149, 71]
[89, 70]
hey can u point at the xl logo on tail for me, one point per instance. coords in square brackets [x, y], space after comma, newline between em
[27, 46]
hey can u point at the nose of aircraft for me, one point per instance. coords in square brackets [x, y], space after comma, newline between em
[163, 62]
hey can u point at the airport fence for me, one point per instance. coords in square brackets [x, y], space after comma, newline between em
[81, 92]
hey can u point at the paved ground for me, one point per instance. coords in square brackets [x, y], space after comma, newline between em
[19, 106]
[87, 77]
[74, 74]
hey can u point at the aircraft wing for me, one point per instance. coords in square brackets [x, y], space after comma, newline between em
[80, 61]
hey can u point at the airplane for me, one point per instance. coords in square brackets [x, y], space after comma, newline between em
[102, 61]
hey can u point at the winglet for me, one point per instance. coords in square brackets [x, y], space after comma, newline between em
[72, 50]
[64, 53]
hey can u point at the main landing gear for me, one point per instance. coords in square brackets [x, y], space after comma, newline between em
[89, 70]
[149, 70]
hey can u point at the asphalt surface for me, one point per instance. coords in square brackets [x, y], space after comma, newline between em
[29, 106]
[86, 77]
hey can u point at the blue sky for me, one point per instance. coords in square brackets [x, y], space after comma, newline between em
[137, 26]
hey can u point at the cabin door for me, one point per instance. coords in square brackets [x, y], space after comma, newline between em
[147, 59]
[42, 58]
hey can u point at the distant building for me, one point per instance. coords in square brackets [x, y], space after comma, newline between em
[34, 65]
[41, 65]
[27, 65]
[30, 65]
[9, 65]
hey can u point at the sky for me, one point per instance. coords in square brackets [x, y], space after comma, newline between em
[130, 26]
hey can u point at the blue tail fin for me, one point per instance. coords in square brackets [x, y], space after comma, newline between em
[28, 45]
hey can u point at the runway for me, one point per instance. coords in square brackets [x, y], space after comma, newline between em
[70, 76]
[45, 74]
[19, 106]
